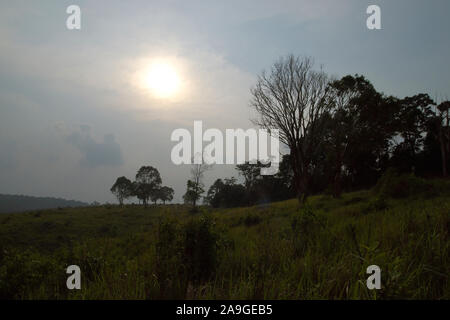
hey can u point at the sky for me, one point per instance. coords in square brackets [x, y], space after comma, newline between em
[75, 115]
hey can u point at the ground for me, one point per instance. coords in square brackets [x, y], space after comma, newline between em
[320, 250]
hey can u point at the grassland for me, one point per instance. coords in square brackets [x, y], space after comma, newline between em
[275, 251]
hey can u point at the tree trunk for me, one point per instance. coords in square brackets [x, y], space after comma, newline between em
[337, 184]
[338, 177]
[300, 178]
[443, 152]
[444, 159]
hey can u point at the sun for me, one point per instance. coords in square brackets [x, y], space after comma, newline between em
[162, 79]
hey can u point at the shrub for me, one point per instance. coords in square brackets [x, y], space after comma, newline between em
[395, 185]
[185, 253]
[169, 250]
[200, 249]
[377, 204]
[22, 273]
[252, 220]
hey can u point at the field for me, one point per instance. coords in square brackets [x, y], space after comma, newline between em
[275, 251]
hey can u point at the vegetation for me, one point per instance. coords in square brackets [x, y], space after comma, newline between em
[147, 186]
[122, 189]
[195, 185]
[360, 165]
[343, 134]
[271, 251]
[18, 203]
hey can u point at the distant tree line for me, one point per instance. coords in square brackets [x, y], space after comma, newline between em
[147, 186]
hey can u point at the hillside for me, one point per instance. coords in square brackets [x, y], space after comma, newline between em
[276, 251]
[20, 203]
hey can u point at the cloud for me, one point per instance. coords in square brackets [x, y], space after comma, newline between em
[52, 77]
[95, 154]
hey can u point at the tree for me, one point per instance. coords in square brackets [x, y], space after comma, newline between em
[195, 186]
[193, 193]
[444, 134]
[155, 195]
[138, 191]
[359, 125]
[250, 172]
[122, 189]
[213, 197]
[166, 194]
[148, 181]
[439, 125]
[226, 194]
[293, 98]
[259, 188]
[412, 120]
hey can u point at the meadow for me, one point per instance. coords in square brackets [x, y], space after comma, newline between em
[272, 251]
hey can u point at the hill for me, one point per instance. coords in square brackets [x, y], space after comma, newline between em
[20, 203]
[276, 251]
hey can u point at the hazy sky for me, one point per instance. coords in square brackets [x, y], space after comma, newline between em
[73, 117]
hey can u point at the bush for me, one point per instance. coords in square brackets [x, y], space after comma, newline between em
[395, 185]
[252, 220]
[200, 249]
[186, 253]
[23, 273]
[169, 250]
[377, 204]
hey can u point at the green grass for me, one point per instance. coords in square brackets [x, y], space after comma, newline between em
[275, 251]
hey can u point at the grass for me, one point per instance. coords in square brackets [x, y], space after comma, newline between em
[275, 251]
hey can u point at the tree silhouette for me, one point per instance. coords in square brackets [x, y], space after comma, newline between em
[359, 125]
[292, 98]
[148, 181]
[166, 194]
[122, 189]
[440, 122]
[195, 186]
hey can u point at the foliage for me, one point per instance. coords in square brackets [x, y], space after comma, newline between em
[165, 194]
[395, 185]
[272, 251]
[147, 184]
[193, 192]
[122, 189]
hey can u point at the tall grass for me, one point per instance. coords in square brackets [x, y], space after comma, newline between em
[275, 251]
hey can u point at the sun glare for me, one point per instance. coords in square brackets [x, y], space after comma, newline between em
[162, 79]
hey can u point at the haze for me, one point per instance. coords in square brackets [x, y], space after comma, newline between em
[75, 114]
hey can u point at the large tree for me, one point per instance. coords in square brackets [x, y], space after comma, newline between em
[165, 194]
[293, 98]
[444, 134]
[148, 181]
[122, 189]
[360, 124]
[439, 126]
[412, 120]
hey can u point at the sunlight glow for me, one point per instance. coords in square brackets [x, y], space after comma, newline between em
[162, 79]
